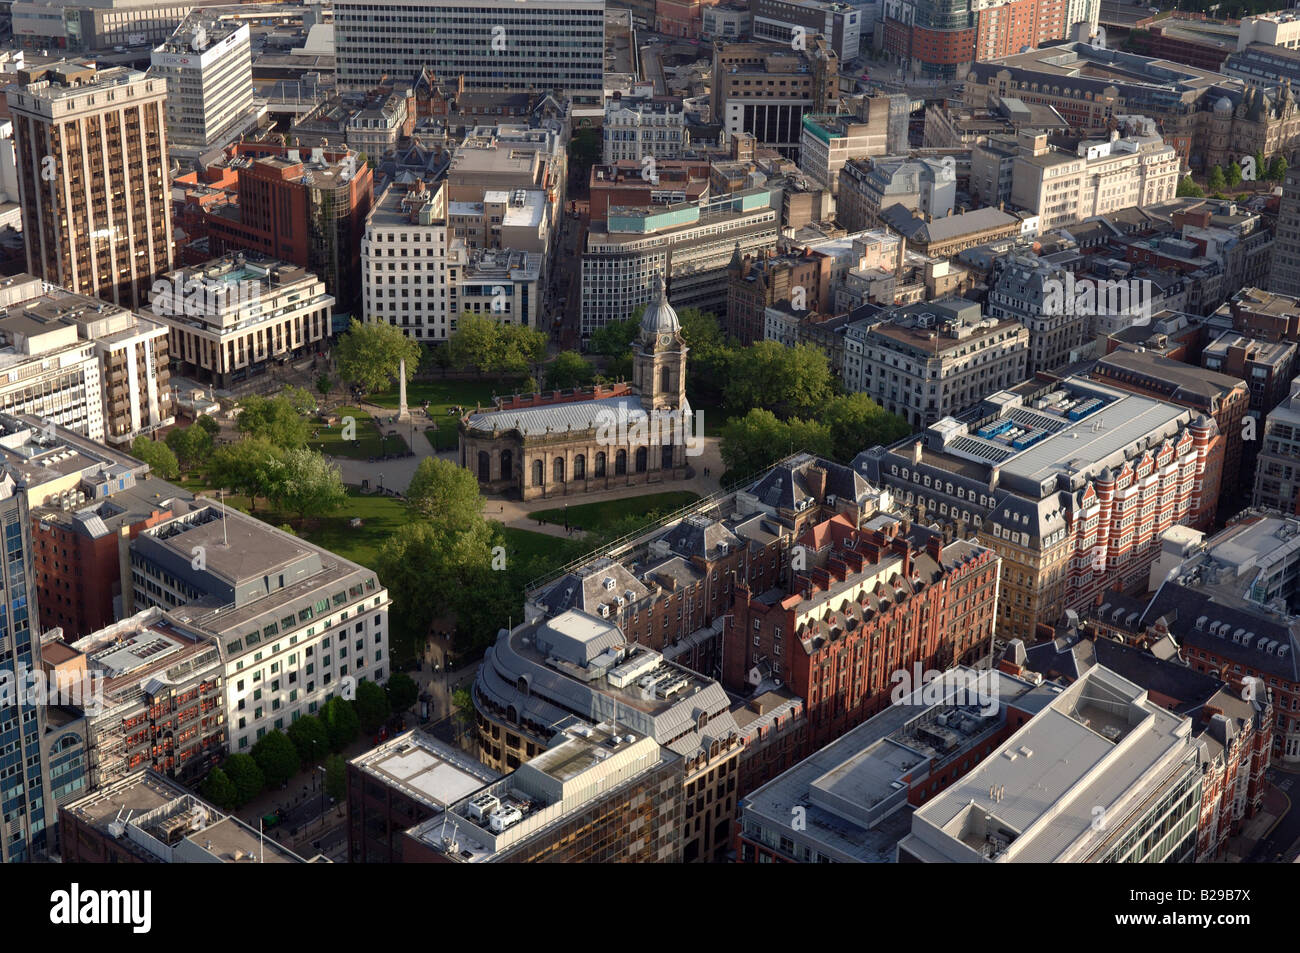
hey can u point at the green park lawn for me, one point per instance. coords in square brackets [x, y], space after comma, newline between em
[444, 394]
[368, 443]
[598, 517]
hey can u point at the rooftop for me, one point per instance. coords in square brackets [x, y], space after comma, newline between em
[425, 769]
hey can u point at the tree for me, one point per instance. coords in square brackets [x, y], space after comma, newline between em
[445, 493]
[758, 439]
[276, 755]
[1188, 188]
[207, 423]
[340, 720]
[162, 461]
[402, 691]
[488, 346]
[275, 419]
[1277, 169]
[1216, 182]
[569, 369]
[615, 339]
[300, 399]
[857, 422]
[432, 570]
[246, 467]
[1261, 165]
[1234, 175]
[310, 739]
[305, 483]
[462, 699]
[370, 355]
[787, 380]
[372, 705]
[192, 445]
[324, 384]
[220, 790]
[336, 777]
[246, 776]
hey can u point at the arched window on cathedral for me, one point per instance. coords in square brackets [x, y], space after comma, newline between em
[537, 473]
[557, 470]
[600, 464]
[484, 466]
[620, 463]
[665, 379]
[641, 457]
[580, 467]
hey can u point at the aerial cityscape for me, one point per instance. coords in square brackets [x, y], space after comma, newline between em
[649, 431]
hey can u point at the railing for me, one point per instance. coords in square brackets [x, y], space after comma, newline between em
[619, 546]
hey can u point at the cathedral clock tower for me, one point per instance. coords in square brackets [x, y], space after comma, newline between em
[659, 356]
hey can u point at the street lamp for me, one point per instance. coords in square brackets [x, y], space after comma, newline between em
[381, 483]
[321, 769]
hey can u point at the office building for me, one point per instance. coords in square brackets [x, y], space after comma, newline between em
[85, 512]
[295, 623]
[1102, 177]
[1067, 523]
[1228, 602]
[31, 794]
[963, 128]
[306, 212]
[161, 706]
[231, 317]
[1277, 467]
[756, 284]
[97, 24]
[1222, 396]
[791, 21]
[93, 176]
[500, 46]
[635, 127]
[1267, 367]
[932, 360]
[1022, 290]
[951, 235]
[146, 819]
[827, 142]
[856, 796]
[861, 604]
[400, 783]
[597, 795]
[1209, 118]
[939, 40]
[765, 89]
[1101, 744]
[689, 243]
[208, 66]
[869, 186]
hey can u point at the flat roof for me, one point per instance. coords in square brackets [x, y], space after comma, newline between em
[426, 769]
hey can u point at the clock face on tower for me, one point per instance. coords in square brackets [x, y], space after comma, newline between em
[665, 340]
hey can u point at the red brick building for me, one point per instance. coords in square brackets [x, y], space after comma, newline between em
[754, 285]
[863, 604]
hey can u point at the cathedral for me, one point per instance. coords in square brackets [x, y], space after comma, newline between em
[592, 439]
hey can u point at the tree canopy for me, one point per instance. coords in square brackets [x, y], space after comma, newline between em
[277, 757]
[247, 467]
[402, 691]
[310, 739]
[488, 346]
[192, 445]
[787, 380]
[340, 721]
[445, 493]
[568, 370]
[162, 461]
[305, 483]
[274, 419]
[245, 775]
[370, 355]
[372, 705]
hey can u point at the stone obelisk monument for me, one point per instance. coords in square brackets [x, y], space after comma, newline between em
[402, 412]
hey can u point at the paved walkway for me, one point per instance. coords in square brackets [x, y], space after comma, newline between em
[1276, 805]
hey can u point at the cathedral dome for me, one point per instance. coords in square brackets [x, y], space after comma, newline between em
[659, 317]
[1224, 105]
